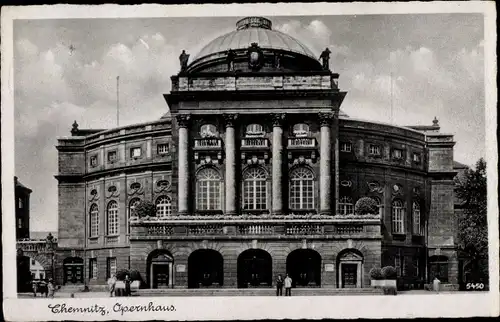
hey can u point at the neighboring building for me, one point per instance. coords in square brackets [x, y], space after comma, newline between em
[22, 195]
[256, 172]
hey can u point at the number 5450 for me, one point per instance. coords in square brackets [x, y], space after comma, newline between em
[474, 286]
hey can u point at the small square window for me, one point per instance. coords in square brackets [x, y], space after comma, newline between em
[20, 203]
[93, 161]
[112, 156]
[135, 152]
[397, 154]
[416, 157]
[162, 148]
[374, 149]
[345, 147]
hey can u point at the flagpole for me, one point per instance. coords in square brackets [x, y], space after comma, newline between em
[117, 101]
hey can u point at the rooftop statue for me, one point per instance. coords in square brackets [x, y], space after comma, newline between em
[325, 56]
[183, 59]
[230, 60]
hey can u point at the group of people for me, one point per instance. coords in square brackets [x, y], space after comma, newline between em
[119, 291]
[43, 287]
[287, 283]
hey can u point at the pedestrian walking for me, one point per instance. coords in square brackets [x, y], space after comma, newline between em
[436, 283]
[112, 285]
[128, 291]
[279, 286]
[50, 288]
[288, 286]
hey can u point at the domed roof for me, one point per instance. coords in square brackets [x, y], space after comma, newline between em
[254, 30]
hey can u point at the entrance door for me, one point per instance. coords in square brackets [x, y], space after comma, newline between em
[349, 275]
[161, 275]
[304, 267]
[73, 270]
[254, 268]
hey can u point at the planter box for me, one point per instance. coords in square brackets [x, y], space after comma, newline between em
[384, 283]
[135, 285]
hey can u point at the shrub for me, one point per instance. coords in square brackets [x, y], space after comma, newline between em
[121, 273]
[389, 273]
[365, 206]
[376, 273]
[135, 275]
[144, 209]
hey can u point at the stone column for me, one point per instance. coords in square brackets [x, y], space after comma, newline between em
[277, 159]
[183, 163]
[324, 163]
[230, 150]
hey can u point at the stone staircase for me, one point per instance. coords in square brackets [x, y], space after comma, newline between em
[257, 292]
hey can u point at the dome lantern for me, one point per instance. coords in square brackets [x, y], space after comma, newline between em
[254, 22]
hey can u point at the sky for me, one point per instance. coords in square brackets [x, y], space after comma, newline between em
[65, 70]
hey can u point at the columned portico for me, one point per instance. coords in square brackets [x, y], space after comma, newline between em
[230, 164]
[277, 159]
[325, 161]
[183, 121]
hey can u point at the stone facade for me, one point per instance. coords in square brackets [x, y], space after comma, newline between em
[252, 166]
[22, 202]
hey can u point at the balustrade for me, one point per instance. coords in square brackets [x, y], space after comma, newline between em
[349, 229]
[304, 229]
[112, 240]
[208, 143]
[256, 229]
[205, 230]
[254, 143]
[301, 142]
[160, 230]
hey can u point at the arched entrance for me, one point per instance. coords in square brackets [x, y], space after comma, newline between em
[73, 270]
[304, 267]
[254, 268]
[350, 268]
[205, 268]
[160, 269]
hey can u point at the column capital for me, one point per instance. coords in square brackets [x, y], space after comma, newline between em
[183, 120]
[325, 119]
[278, 119]
[230, 119]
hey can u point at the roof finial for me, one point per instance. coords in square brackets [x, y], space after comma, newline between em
[74, 130]
[435, 122]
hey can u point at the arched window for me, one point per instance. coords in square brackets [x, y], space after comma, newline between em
[417, 229]
[380, 206]
[163, 206]
[346, 206]
[301, 189]
[94, 221]
[254, 129]
[131, 207]
[112, 218]
[208, 190]
[254, 189]
[398, 217]
[208, 130]
[301, 129]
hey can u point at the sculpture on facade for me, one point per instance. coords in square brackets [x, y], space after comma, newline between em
[183, 58]
[230, 60]
[277, 60]
[325, 57]
[50, 241]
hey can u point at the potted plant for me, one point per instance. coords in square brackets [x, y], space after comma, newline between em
[389, 281]
[136, 279]
[376, 277]
[366, 206]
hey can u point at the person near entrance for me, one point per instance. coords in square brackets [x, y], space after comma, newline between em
[128, 291]
[279, 286]
[50, 288]
[288, 286]
[112, 285]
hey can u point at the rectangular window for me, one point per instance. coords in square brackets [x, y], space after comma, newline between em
[417, 268]
[93, 268]
[397, 154]
[93, 161]
[19, 223]
[32, 262]
[254, 195]
[417, 230]
[416, 157]
[209, 195]
[110, 266]
[42, 275]
[302, 194]
[345, 147]
[374, 149]
[112, 156]
[163, 148]
[135, 152]
[20, 203]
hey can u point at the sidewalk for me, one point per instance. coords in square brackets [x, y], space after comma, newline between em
[66, 295]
